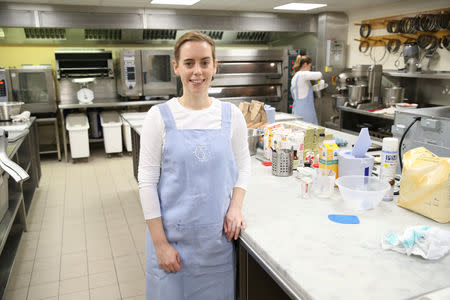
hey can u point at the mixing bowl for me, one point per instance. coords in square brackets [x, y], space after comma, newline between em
[362, 192]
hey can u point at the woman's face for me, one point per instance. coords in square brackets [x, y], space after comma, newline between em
[195, 67]
[308, 66]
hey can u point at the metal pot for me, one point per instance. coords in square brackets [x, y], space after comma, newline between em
[8, 109]
[393, 95]
[357, 93]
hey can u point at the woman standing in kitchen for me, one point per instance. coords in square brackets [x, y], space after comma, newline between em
[301, 89]
[193, 170]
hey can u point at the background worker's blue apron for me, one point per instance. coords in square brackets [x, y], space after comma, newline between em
[305, 106]
[197, 178]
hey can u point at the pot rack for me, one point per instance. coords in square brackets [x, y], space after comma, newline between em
[380, 23]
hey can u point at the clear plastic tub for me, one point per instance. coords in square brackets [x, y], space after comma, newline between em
[112, 131]
[78, 125]
[361, 192]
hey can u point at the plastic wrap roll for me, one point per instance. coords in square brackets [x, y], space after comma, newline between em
[350, 165]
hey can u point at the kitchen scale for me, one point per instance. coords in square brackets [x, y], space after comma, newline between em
[84, 94]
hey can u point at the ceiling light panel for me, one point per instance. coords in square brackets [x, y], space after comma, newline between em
[175, 2]
[299, 6]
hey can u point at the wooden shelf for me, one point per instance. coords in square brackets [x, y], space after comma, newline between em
[381, 40]
[380, 23]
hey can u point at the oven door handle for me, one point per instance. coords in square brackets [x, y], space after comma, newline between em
[15, 95]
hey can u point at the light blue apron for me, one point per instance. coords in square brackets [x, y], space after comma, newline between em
[305, 106]
[197, 178]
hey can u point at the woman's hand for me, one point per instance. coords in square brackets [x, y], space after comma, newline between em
[233, 223]
[168, 258]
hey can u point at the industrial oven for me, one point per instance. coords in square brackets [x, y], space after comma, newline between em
[247, 74]
[33, 85]
[146, 73]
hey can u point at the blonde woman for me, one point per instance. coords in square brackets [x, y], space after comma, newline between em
[301, 89]
[193, 171]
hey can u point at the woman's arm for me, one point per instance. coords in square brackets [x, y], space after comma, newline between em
[308, 75]
[234, 219]
[150, 154]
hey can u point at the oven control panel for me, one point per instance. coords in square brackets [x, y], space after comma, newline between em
[3, 87]
[130, 72]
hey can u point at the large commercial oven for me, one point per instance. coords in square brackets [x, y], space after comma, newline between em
[33, 85]
[146, 73]
[96, 69]
[247, 74]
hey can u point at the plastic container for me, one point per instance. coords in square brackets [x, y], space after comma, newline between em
[323, 183]
[78, 126]
[126, 128]
[112, 131]
[361, 192]
[270, 112]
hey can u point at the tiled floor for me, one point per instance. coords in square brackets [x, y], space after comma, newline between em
[86, 234]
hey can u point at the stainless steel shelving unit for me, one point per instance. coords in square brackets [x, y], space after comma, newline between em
[427, 75]
[25, 152]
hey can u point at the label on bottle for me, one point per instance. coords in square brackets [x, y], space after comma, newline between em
[387, 171]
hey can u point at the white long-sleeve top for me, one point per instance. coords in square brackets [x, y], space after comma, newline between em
[153, 137]
[302, 79]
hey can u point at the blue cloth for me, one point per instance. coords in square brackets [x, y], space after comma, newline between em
[197, 178]
[304, 107]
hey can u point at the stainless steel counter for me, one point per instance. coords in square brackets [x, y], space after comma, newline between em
[365, 112]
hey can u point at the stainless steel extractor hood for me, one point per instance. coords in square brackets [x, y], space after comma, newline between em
[52, 24]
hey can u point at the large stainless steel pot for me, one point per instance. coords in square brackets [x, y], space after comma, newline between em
[393, 95]
[357, 93]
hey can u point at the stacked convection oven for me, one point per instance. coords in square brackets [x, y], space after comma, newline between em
[252, 74]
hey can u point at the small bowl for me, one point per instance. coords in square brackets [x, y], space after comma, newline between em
[362, 192]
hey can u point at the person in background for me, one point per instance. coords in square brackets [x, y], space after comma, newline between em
[194, 167]
[301, 89]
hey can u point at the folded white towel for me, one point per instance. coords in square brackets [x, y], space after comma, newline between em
[23, 117]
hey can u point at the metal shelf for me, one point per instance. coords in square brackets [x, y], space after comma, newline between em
[428, 75]
[7, 260]
[8, 219]
[365, 112]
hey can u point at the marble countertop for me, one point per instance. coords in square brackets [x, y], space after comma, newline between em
[319, 259]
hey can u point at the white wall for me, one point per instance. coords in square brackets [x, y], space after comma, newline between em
[355, 57]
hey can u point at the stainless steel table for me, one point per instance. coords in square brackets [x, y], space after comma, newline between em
[122, 104]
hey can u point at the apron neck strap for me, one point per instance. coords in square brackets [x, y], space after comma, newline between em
[167, 116]
[226, 115]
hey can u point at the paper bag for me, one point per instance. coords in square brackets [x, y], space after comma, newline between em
[425, 184]
[253, 112]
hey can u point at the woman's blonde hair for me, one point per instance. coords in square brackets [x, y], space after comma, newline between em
[193, 36]
[300, 61]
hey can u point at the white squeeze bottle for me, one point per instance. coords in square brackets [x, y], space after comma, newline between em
[389, 164]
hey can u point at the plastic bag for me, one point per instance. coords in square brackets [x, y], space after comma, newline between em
[425, 184]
